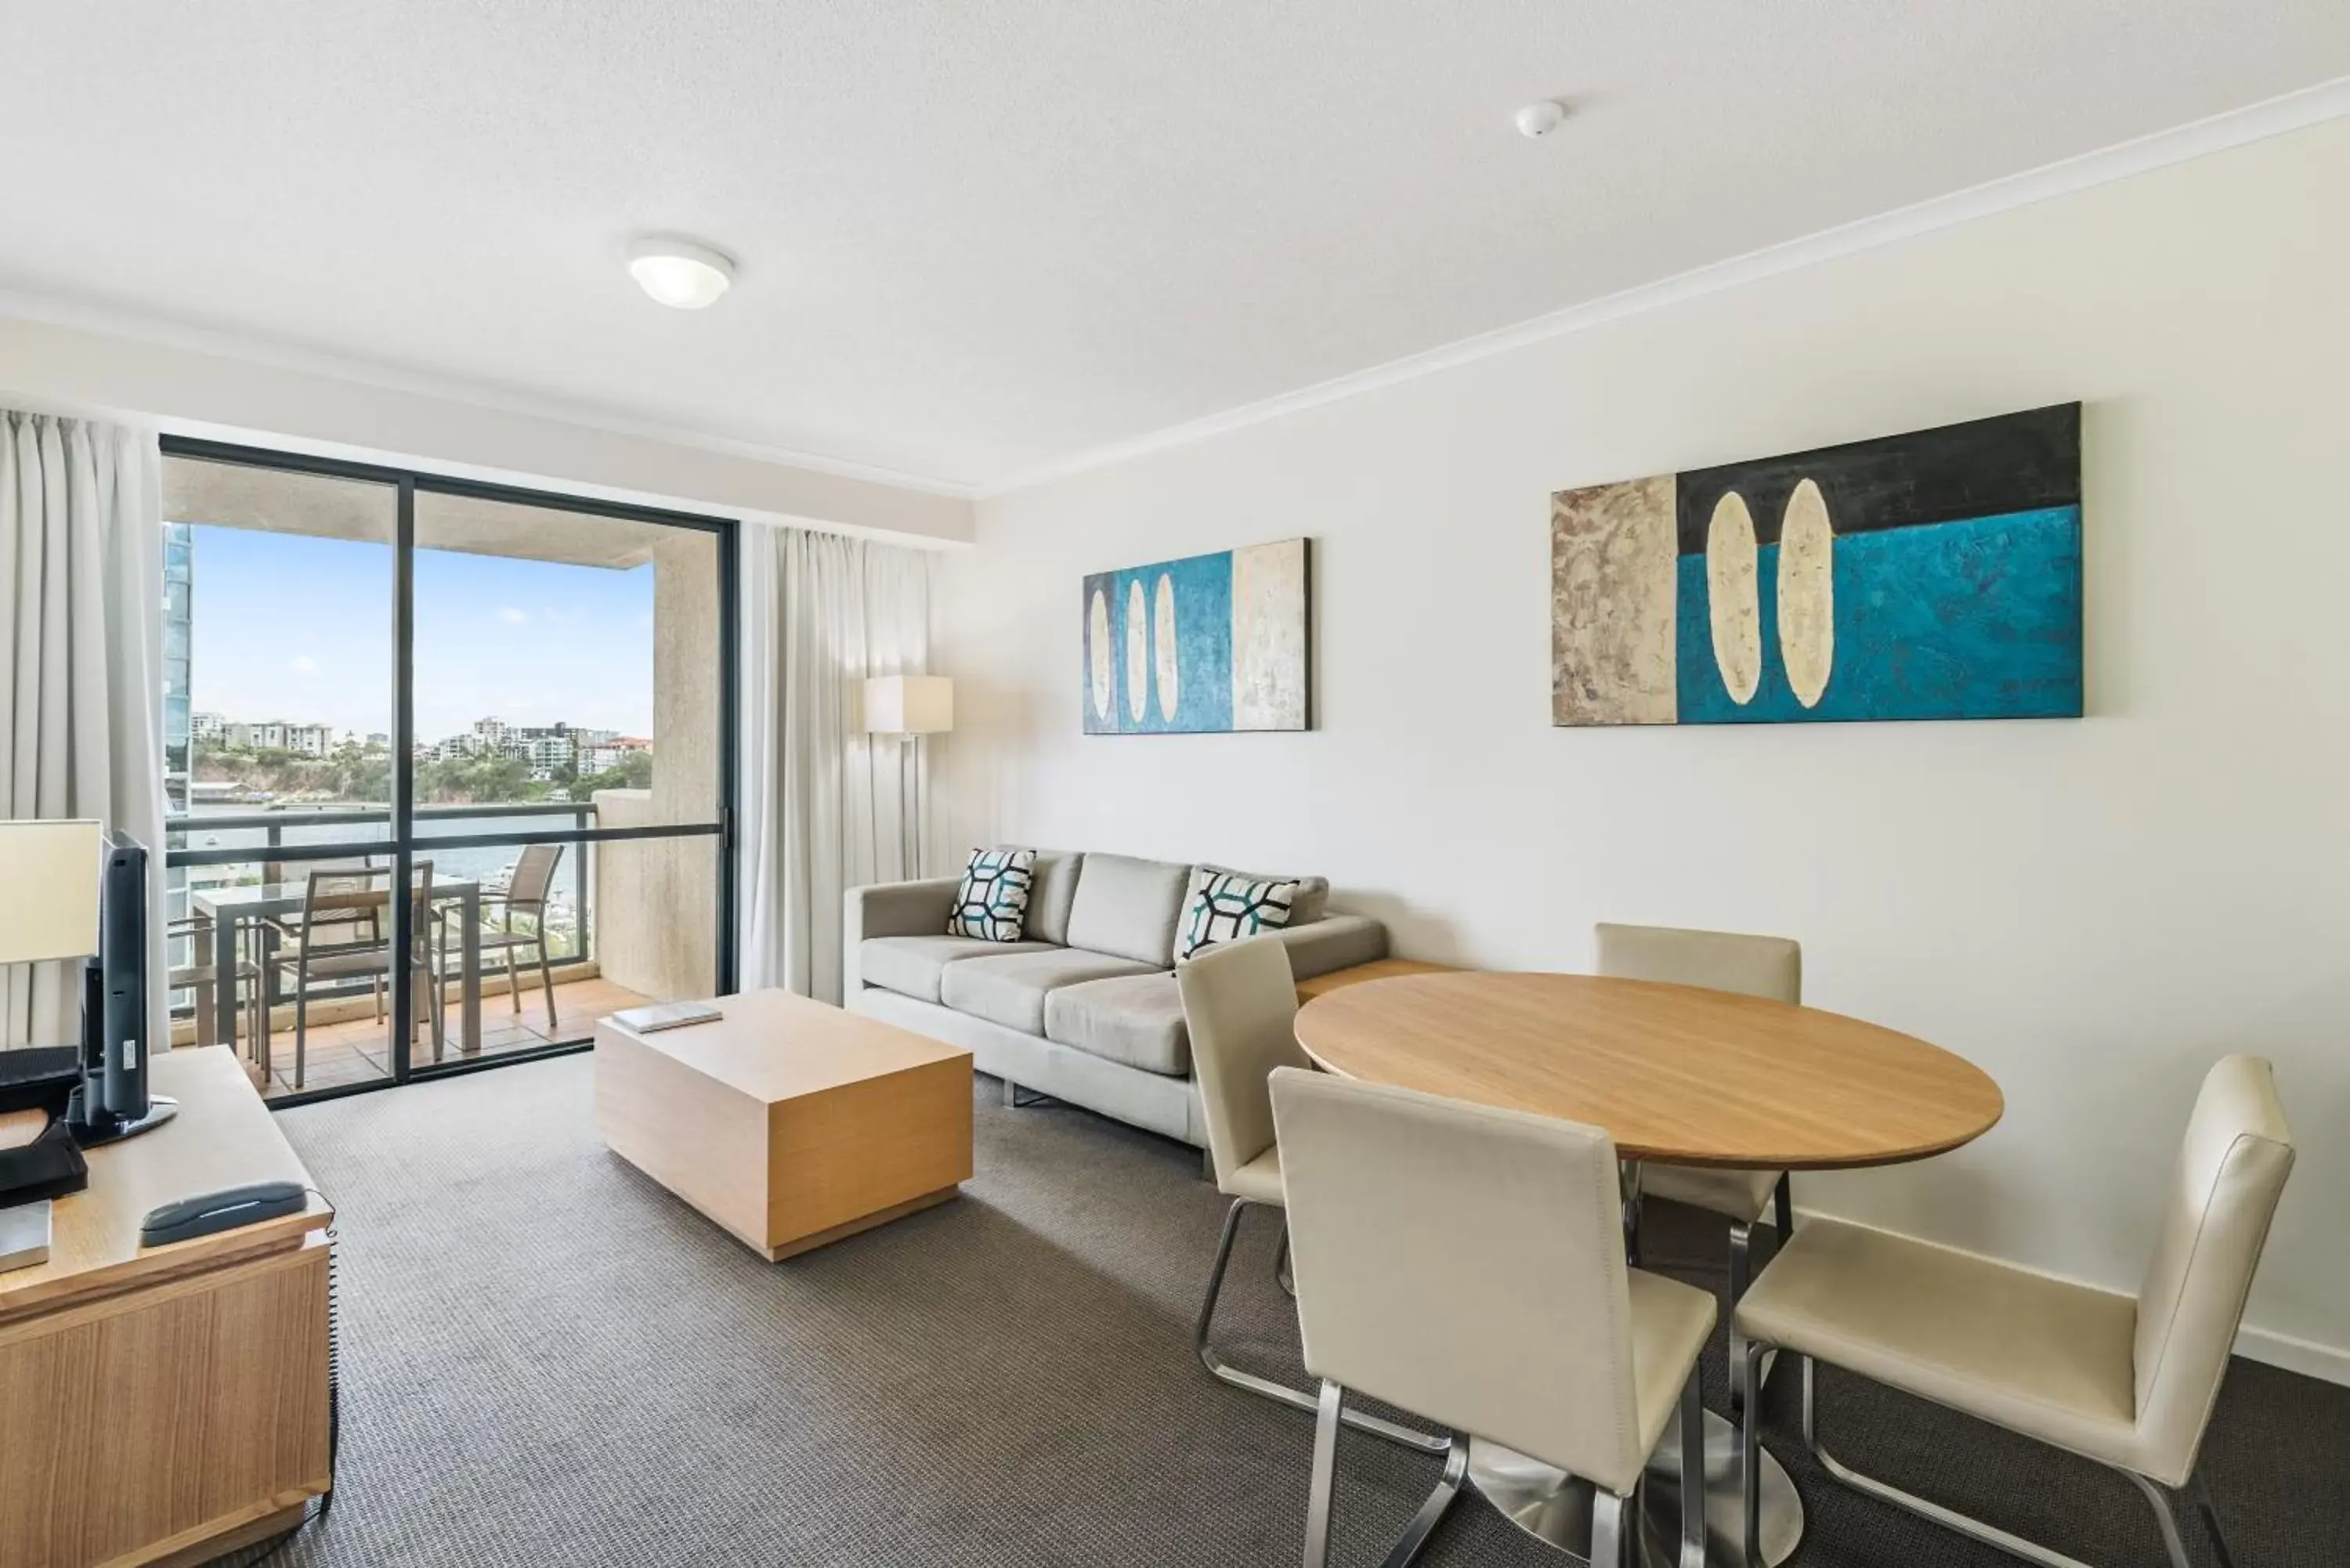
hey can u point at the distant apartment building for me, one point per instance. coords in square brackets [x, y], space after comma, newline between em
[266, 737]
[545, 749]
[204, 729]
[178, 628]
[309, 740]
[608, 754]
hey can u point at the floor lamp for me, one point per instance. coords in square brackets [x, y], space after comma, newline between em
[910, 707]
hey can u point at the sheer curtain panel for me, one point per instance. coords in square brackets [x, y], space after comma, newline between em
[81, 667]
[823, 807]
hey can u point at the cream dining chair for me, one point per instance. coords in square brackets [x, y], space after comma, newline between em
[1240, 1008]
[2128, 1381]
[1768, 967]
[1467, 1263]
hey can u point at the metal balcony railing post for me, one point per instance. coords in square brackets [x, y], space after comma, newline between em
[270, 995]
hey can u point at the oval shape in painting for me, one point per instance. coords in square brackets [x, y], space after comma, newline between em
[1163, 638]
[1138, 652]
[1734, 596]
[1097, 649]
[1808, 593]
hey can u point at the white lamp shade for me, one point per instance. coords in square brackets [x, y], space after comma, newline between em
[909, 704]
[51, 872]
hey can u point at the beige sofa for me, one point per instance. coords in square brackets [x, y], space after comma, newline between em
[1086, 1008]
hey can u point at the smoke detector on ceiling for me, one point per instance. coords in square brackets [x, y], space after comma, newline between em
[1541, 119]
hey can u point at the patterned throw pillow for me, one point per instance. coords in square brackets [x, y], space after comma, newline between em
[992, 902]
[1226, 906]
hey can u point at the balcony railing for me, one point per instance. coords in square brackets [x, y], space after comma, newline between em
[181, 856]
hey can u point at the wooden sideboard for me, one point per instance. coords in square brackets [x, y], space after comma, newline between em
[166, 1405]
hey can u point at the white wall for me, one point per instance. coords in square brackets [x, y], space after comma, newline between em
[2091, 910]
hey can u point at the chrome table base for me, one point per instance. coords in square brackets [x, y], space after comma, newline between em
[1555, 1507]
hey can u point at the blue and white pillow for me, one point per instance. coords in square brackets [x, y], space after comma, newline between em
[1224, 907]
[992, 902]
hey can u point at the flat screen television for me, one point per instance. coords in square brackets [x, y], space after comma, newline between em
[113, 1101]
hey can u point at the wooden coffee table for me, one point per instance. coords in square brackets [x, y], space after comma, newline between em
[789, 1122]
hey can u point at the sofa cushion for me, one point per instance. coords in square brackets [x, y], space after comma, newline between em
[992, 900]
[912, 966]
[1129, 906]
[1312, 901]
[1053, 888]
[1135, 1018]
[1010, 989]
[1226, 907]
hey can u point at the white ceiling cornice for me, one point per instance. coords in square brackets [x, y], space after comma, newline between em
[137, 328]
[2237, 127]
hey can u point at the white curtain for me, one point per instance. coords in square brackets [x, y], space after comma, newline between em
[81, 667]
[825, 807]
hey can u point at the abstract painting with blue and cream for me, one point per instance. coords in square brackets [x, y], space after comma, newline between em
[1930, 576]
[1206, 643]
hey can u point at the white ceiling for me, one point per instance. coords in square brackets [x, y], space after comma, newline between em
[980, 237]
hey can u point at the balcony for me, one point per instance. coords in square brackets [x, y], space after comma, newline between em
[627, 921]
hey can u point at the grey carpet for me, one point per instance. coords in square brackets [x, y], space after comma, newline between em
[547, 1359]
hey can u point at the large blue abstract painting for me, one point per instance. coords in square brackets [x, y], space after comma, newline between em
[1930, 576]
[1206, 643]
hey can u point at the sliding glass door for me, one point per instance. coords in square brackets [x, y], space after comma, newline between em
[518, 707]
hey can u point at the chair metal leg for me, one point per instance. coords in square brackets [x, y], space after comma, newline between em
[547, 985]
[1692, 1555]
[267, 940]
[1627, 1184]
[2166, 1516]
[1265, 1387]
[1409, 1545]
[1965, 1524]
[2200, 1498]
[440, 984]
[1747, 1373]
[1614, 1529]
[1328, 1411]
[1742, 1251]
[301, 1022]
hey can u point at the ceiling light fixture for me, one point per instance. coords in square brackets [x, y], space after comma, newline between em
[1540, 118]
[680, 273]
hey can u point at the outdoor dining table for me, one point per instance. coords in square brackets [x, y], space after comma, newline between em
[1674, 1074]
[230, 908]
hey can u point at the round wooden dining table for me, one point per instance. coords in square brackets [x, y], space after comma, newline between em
[1673, 1074]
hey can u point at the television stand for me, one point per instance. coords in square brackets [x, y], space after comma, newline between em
[160, 1109]
[167, 1403]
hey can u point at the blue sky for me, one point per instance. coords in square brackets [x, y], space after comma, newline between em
[290, 627]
